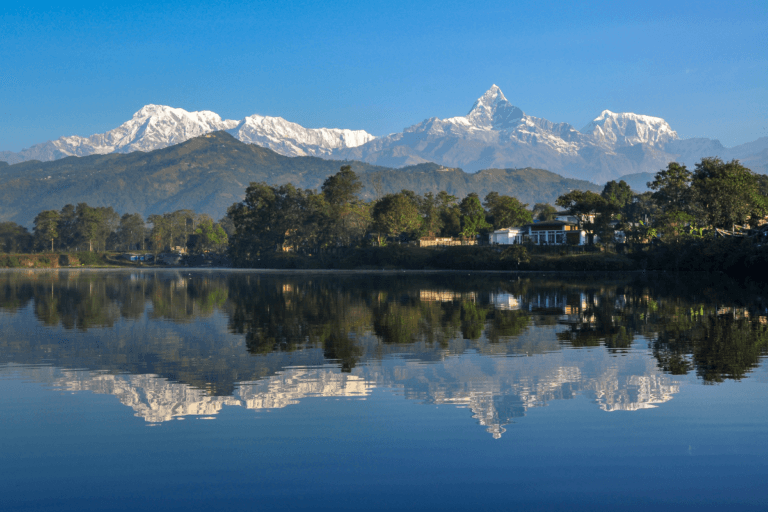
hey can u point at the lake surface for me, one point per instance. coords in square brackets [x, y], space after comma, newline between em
[210, 390]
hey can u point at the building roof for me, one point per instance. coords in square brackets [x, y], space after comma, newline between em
[553, 223]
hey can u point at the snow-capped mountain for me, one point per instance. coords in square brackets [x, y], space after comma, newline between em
[159, 126]
[494, 134]
[627, 129]
[291, 139]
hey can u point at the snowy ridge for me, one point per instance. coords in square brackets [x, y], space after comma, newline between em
[152, 127]
[291, 139]
[627, 129]
[493, 134]
[497, 134]
[159, 126]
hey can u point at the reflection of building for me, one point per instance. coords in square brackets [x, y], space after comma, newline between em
[505, 301]
[446, 296]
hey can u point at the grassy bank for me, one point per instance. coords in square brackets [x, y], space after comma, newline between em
[58, 260]
[449, 258]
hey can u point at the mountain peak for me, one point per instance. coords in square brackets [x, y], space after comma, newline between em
[493, 111]
[150, 110]
[627, 129]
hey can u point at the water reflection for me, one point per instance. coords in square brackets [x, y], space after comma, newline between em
[172, 344]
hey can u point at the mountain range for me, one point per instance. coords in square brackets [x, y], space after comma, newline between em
[211, 172]
[494, 134]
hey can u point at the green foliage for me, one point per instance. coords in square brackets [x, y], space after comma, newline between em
[345, 218]
[516, 253]
[46, 228]
[506, 211]
[207, 237]
[131, 232]
[14, 238]
[727, 193]
[472, 216]
[342, 188]
[671, 188]
[544, 212]
[617, 194]
[206, 174]
[397, 214]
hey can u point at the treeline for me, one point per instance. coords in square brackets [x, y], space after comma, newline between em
[684, 207]
[683, 204]
[89, 228]
[690, 326]
[275, 219]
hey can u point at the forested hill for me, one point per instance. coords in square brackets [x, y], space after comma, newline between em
[209, 173]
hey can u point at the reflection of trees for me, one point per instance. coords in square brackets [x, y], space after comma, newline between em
[687, 327]
[286, 314]
[716, 347]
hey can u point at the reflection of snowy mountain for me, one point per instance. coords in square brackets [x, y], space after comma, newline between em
[495, 389]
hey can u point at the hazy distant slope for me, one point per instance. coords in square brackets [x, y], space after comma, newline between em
[211, 172]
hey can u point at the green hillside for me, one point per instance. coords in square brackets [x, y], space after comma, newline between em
[209, 173]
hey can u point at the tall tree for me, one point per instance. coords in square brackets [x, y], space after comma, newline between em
[131, 232]
[672, 188]
[506, 211]
[450, 214]
[68, 236]
[274, 219]
[94, 224]
[397, 214]
[342, 188]
[46, 227]
[727, 193]
[472, 216]
[347, 218]
[617, 194]
[430, 209]
[208, 236]
[14, 238]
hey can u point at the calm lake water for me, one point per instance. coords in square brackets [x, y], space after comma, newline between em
[210, 390]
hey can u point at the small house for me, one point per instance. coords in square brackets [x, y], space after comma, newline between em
[551, 232]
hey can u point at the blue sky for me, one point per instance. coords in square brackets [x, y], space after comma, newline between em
[82, 68]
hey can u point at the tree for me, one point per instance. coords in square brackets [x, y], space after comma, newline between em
[727, 193]
[208, 236]
[544, 211]
[46, 227]
[68, 226]
[450, 214]
[472, 216]
[347, 218]
[14, 238]
[429, 208]
[272, 219]
[92, 225]
[672, 188]
[617, 194]
[640, 216]
[227, 225]
[587, 206]
[506, 211]
[397, 214]
[171, 229]
[131, 232]
[342, 188]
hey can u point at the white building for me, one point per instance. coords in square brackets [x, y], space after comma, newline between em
[552, 232]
